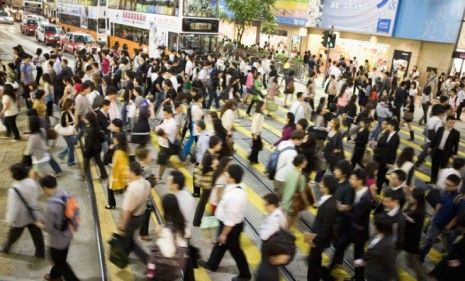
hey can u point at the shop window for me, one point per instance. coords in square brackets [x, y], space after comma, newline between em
[130, 33]
[70, 20]
[162, 7]
[201, 8]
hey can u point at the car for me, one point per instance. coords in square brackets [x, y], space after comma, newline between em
[6, 18]
[76, 41]
[28, 26]
[50, 34]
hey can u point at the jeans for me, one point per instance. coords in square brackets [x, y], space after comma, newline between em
[37, 238]
[61, 268]
[69, 150]
[213, 96]
[188, 146]
[432, 233]
[377, 130]
[10, 124]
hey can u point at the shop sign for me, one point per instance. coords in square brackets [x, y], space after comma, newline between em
[133, 16]
[458, 55]
[200, 25]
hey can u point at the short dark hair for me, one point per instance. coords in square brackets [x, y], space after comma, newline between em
[297, 135]
[19, 171]
[454, 179]
[450, 117]
[458, 163]
[389, 193]
[344, 166]
[117, 123]
[201, 124]
[214, 140]
[383, 224]
[272, 199]
[48, 181]
[393, 122]
[359, 174]
[236, 172]
[105, 102]
[401, 175]
[330, 182]
[299, 159]
[178, 179]
[142, 153]
[303, 123]
[136, 168]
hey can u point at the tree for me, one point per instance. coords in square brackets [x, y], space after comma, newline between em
[244, 12]
[269, 28]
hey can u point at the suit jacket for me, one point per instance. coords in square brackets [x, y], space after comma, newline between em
[324, 221]
[386, 152]
[103, 120]
[361, 139]
[360, 216]
[381, 261]
[452, 143]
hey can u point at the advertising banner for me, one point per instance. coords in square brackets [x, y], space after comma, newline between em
[365, 16]
[400, 63]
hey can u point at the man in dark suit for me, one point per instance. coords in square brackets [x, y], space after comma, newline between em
[380, 259]
[322, 228]
[386, 151]
[359, 219]
[444, 144]
[400, 98]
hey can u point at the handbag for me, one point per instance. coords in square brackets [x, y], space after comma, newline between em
[119, 255]
[317, 133]
[408, 115]
[65, 131]
[271, 105]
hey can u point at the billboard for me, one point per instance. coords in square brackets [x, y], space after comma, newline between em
[299, 12]
[430, 20]
[364, 16]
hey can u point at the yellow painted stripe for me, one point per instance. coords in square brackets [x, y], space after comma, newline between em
[108, 227]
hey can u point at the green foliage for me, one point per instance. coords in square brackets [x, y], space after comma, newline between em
[245, 12]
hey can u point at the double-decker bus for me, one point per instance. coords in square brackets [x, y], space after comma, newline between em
[83, 16]
[190, 25]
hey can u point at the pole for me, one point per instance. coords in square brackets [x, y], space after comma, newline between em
[457, 41]
[328, 49]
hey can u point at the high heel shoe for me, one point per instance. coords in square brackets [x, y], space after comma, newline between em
[109, 207]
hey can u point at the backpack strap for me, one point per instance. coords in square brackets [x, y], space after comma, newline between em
[279, 154]
[29, 208]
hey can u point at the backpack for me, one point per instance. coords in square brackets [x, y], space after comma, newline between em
[271, 165]
[281, 242]
[98, 101]
[71, 211]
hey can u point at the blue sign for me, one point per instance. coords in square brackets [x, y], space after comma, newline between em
[384, 26]
[429, 20]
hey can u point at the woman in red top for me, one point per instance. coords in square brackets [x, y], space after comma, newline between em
[288, 128]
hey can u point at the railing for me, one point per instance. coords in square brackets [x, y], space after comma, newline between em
[98, 232]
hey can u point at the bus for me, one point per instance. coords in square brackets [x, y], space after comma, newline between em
[83, 16]
[189, 25]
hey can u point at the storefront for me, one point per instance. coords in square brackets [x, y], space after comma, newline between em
[194, 32]
[458, 63]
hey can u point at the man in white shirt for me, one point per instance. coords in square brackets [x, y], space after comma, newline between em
[297, 107]
[433, 123]
[456, 169]
[285, 158]
[276, 218]
[231, 214]
[188, 69]
[133, 208]
[167, 132]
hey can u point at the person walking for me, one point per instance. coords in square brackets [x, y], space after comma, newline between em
[59, 230]
[67, 131]
[231, 214]
[22, 210]
[10, 111]
[256, 128]
[120, 161]
[322, 234]
[414, 219]
[133, 209]
[93, 138]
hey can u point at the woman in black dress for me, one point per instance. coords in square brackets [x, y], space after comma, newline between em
[360, 141]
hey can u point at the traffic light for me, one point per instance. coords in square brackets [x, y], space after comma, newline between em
[332, 41]
[325, 37]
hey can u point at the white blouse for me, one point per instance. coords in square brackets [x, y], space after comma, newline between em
[228, 119]
[258, 120]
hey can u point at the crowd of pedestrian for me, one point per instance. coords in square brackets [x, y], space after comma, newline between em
[120, 102]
